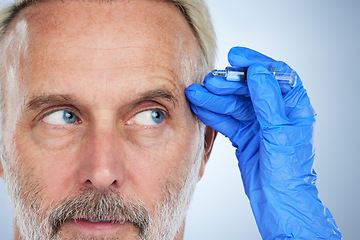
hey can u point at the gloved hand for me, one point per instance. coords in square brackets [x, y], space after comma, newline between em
[271, 128]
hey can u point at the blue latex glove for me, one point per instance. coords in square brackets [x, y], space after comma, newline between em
[272, 131]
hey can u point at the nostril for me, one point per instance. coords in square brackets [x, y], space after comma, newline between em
[102, 178]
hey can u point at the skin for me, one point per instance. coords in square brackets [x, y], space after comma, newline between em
[107, 64]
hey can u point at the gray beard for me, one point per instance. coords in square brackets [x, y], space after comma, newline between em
[37, 223]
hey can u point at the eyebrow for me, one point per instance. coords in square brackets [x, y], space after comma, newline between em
[48, 100]
[58, 99]
[159, 94]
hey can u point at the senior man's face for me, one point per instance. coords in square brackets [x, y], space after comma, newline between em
[99, 140]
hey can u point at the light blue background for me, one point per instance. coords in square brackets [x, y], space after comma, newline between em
[320, 39]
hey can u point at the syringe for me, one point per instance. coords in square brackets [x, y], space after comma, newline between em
[239, 74]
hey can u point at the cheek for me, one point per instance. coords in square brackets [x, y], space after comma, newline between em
[47, 159]
[49, 169]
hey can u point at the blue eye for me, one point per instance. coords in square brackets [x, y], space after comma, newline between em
[61, 118]
[150, 117]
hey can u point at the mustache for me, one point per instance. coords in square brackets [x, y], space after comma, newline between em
[108, 206]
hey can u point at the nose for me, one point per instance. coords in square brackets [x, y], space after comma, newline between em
[102, 160]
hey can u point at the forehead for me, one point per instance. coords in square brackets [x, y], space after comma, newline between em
[59, 30]
[74, 17]
[120, 21]
[50, 14]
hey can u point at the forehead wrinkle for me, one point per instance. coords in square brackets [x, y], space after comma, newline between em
[182, 64]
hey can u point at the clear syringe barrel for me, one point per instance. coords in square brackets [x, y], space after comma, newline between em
[239, 74]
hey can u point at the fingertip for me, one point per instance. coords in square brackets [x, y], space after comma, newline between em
[237, 57]
[244, 57]
[193, 87]
[208, 78]
[191, 91]
[237, 50]
[197, 94]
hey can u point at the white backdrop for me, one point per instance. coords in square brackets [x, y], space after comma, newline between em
[320, 39]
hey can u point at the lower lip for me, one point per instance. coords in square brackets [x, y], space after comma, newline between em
[97, 227]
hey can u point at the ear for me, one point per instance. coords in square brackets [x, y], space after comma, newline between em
[210, 135]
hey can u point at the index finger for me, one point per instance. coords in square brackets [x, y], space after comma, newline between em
[244, 57]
